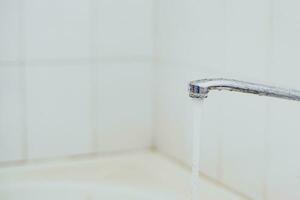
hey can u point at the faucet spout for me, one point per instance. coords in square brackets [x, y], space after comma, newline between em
[200, 88]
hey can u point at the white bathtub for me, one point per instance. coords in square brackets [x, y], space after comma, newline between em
[135, 176]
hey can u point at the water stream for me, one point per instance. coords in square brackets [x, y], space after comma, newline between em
[197, 109]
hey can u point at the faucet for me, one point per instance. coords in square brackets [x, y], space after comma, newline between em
[200, 88]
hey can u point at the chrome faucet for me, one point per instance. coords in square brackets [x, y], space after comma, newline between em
[200, 88]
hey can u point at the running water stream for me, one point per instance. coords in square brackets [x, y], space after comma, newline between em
[197, 110]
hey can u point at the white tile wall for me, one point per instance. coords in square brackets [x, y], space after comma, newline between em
[182, 23]
[70, 108]
[191, 48]
[243, 140]
[11, 133]
[206, 38]
[284, 162]
[167, 40]
[174, 107]
[58, 106]
[9, 30]
[125, 106]
[283, 184]
[171, 109]
[286, 43]
[125, 28]
[247, 26]
[250, 40]
[57, 29]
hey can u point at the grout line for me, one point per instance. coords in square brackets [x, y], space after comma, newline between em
[94, 75]
[70, 158]
[5, 63]
[155, 20]
[22, 64]
[94, 108]
[220, 159]
[76, 62]
[269, 62]
[266, 166]
[155, 69]
[24, 112]
[155, 27]
[220, 167]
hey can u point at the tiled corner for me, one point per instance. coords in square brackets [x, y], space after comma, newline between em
[58, 29]
[11, 132]
[9, 26]
[174, 121]
[206, 34]
[124, 106]
[172, 135]
[185, 35]
[247, 35]
[59, 110]
[124, 28]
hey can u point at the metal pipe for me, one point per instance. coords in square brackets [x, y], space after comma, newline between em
[201, 88]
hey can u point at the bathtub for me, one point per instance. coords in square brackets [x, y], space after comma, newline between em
[143, 175]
